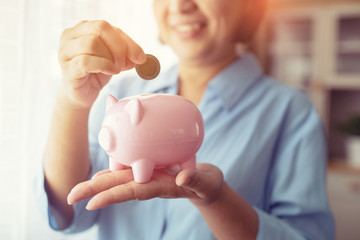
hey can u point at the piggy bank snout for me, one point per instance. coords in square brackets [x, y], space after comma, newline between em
[106, 139]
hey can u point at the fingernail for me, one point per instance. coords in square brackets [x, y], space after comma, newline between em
[90, 206]
[182, 182]
[69, 200]
[141, 57]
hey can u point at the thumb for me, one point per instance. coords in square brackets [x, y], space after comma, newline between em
[205, 181]
[134, 52]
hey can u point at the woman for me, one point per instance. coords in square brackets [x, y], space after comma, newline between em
[261, 168]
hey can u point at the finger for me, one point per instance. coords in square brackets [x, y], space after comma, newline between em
[134, 191]
[162, 185]
[84, 45]
[99, 173]
[188, 178]
[134, 52]
[74, 32]
[105, 32]
[94, 186]
[205, 181]
[120, 193]
[80, 67]
[115, 42]
[129, 191]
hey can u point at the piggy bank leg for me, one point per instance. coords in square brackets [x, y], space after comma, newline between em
[142, 170]
[114, 165]
[190, 163]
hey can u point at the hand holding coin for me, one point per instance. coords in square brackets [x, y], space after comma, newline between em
[150, 69]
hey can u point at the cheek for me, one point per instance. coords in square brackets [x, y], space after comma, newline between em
[229, 15]
[219, 16]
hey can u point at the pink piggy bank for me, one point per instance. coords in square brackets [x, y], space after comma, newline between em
[151, 131]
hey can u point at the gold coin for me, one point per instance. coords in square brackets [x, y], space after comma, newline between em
[150, 69]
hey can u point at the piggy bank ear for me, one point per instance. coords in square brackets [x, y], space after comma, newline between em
[110, 101]
[135, 110]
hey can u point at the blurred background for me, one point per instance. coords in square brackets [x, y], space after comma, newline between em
[313, 45]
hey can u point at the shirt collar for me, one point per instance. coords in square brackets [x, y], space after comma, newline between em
[233, 82]
[230, 84]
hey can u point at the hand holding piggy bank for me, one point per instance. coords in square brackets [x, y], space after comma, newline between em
[151, 131]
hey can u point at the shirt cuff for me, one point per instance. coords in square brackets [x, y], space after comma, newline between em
[83, 219]
[271, 227]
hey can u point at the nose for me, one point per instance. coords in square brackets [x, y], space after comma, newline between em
[181, 6]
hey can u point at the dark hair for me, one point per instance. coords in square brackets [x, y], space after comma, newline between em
[252, 20]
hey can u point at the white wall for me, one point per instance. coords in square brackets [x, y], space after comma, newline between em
[29, 78]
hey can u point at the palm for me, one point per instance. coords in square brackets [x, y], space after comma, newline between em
[108, 187]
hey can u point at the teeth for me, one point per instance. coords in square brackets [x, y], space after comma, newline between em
[188, 27]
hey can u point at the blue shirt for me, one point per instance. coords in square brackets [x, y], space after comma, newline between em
[266, 138]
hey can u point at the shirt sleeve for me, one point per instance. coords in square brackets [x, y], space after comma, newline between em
[50, 213]
[297, 206]
[83, 219]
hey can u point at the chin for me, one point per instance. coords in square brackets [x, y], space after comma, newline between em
[191, 52]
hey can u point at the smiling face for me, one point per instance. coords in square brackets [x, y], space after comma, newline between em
[201, 30]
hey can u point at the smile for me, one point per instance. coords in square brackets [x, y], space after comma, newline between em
[188, 30]
[185, 28]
